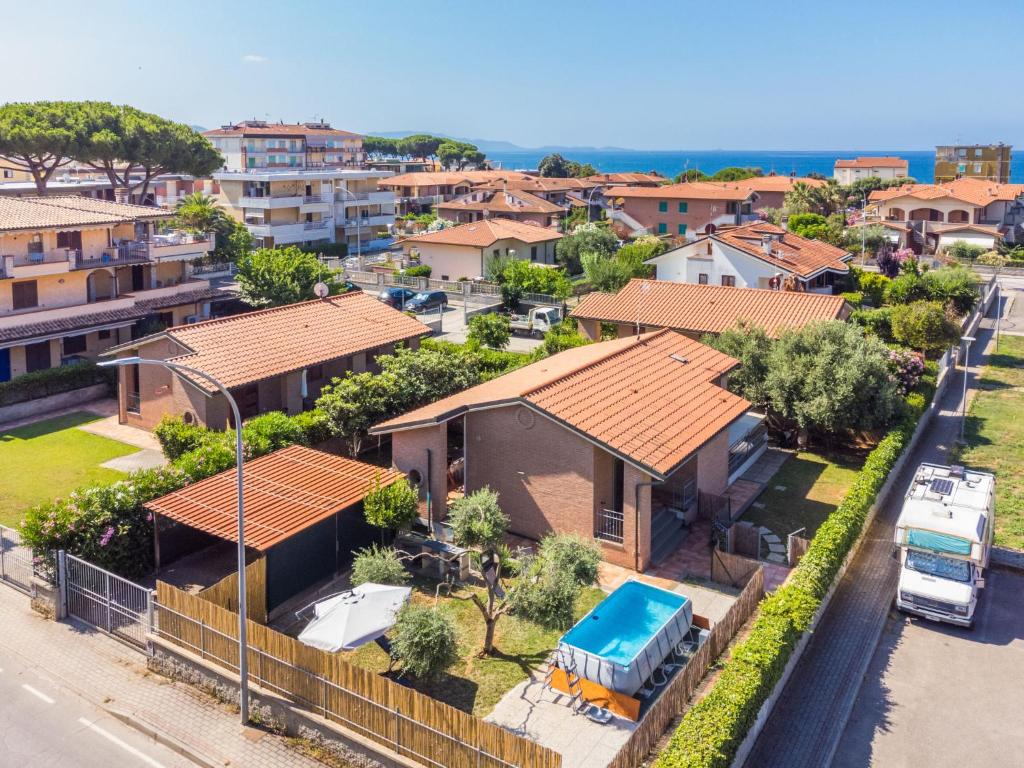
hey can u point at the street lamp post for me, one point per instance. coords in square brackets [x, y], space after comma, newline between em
[967, 371]
[243, 648]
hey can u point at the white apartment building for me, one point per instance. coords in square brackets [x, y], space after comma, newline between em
[847, 171]
[301, 184]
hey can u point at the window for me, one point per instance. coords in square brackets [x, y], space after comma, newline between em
[681, 229]
[977, 167]
[74, 345]
[496, 252]
[104, 334]
[709, 247]
[37, 356]
[25, 295]
[702, 278]
[977, 153]
[731, 207]
[8, 174]
[662, 228]
[533, 253]
[314, 373]
[663, 206]
[683, 207]
[729, 280]
[70, 240]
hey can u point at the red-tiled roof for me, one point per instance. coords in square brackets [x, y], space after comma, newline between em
[242, 349]
[708, 308]
[281, 129]
[500, 202]
[627, 179]
[446, 178]
[973, 191]
[799, 255]
[285, 493]
[481, 234]
[653, 401]
[539, 184]
[886, 161]
[777, 183]
[691, 190]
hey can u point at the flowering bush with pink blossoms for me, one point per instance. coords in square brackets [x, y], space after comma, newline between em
[906, 369]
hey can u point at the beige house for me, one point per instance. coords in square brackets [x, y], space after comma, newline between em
[847, 171]
[416, 192]
[270, 360]
[77, 275]
[621, 441]
[463, 251]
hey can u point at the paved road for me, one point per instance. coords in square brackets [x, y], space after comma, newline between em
[943, 696]
[43, 724]
[805, 726]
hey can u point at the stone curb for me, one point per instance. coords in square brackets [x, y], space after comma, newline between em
[146, 728]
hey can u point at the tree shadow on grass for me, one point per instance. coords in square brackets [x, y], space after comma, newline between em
[48, 426]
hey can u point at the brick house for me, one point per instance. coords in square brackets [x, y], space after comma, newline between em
[680, 210]
[695, 310]
[616, 440]
[270, 360]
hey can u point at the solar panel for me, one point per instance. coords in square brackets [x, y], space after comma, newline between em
[941, 485]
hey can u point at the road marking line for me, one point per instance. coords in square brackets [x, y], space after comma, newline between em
[37, 693]
[123, 745]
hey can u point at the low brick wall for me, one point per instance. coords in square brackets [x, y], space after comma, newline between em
[44, 405]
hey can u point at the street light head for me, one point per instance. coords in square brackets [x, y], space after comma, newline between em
[119, 361]
[968, 339]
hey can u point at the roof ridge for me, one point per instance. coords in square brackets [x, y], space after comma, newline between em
[263, 311]
[597, 361]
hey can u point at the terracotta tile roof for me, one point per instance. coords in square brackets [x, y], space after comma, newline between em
[703, 309]
[539, 184]
[692, 190]
[445, 178]
[886, 161]
[791, 253]
[627, 179]
[186, 297]
[972, 191]
[29, 213]
[242, 349]
[777, 183]
[279, 129]
[286, 492]
[481, 234]
[500, 202]
[63, 326]
[653, 401]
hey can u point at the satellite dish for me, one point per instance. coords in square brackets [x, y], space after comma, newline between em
[321, 290]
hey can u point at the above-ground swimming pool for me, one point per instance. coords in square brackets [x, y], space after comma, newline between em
[626, 636]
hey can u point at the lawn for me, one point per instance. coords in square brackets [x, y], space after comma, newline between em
[995, 436]
[813, 483]
[50, 458]
[476, 684]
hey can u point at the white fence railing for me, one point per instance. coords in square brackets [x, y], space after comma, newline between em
[105, 600]
[15, 560]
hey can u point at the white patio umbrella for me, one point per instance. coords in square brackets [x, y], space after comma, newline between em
[355, 617]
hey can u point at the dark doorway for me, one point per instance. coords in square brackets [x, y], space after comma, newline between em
[37, 356]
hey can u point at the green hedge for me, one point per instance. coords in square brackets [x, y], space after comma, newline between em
[712, 731]
[54, 381]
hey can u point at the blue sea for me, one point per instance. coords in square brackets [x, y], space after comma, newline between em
[669, 163]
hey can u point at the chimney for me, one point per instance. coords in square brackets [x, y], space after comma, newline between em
[766, 244]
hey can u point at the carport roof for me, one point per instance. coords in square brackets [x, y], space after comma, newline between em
[286, 492]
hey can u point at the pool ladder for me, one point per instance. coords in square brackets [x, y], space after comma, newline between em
[572, 677]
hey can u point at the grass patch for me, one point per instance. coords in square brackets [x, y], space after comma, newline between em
[814, 485]
[476, 684]
[995, 436]
[49, 459]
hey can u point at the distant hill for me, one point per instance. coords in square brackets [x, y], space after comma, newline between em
[495, 145]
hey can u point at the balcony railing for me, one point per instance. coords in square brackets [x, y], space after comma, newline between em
[312, 198]
[609, 526]
[311, 225]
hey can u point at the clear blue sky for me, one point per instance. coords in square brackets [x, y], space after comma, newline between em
[645, 74]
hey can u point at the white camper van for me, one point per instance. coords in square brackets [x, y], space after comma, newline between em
[943, 536]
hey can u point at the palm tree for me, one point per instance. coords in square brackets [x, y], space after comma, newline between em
[198, 213]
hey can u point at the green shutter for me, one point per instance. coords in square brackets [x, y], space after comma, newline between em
[682, 207]
[663, 206]
[662, 228]
[682, 229]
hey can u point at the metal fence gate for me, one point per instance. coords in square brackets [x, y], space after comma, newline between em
[107, 601]
[15, 560]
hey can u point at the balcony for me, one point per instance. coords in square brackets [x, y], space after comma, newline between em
[170, 246]
[295, 232]
[270, 201]
[383, 220]
[609, 526]
[36, 264]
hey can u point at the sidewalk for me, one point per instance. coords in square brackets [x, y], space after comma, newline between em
[113, 676]
[808, 720]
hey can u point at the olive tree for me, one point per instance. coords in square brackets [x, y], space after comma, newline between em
[424, 640]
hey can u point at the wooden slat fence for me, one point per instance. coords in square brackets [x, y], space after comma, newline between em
[225, 592]
[406, 721]
[734, 570]
[672, 701]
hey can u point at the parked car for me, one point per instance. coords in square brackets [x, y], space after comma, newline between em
[426, 301]
[396, 297]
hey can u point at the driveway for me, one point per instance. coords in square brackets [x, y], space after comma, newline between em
[942, 696]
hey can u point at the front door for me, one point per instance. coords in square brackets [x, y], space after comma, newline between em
[5, 364]
[248, 399]
[138, 277]
[37, 356]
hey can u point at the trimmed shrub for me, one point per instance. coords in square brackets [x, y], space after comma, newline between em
[55, 381]
[178, 438]
[271, 431]
[378, 565]
[420, 270]
[314, 425]
[854, 298]
[424, 640]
